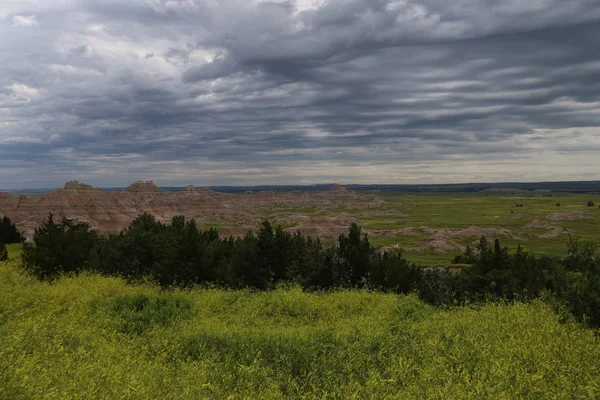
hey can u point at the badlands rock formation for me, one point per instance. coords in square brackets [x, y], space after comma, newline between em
[234, 213]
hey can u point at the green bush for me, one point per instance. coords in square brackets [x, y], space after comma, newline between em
[140, 312]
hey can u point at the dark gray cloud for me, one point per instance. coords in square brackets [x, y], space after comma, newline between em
[231, 92]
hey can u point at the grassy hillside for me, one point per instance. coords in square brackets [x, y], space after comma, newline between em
[94, 337]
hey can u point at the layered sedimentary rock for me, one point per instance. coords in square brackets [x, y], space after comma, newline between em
[113, 211]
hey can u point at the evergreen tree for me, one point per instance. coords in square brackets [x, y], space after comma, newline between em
[392, 272]
[353, 258]
[469, 257]
[265, 252]
[9, 232]
[58, 248]
[143, 246]
[92, 263]
[581, 256]
[246, 264]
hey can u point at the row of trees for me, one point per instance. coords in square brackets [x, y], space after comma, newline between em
[180, 254]
[495, 274]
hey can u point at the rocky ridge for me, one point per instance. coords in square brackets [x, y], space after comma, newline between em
[113, 211]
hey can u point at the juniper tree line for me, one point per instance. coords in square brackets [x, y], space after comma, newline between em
[181, 254]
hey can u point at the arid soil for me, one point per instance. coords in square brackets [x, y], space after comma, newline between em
[552, 230]
[567, 216]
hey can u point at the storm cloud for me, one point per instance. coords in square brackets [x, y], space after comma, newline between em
[248, 92]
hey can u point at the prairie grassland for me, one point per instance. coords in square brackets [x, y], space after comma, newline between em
[487, 210]
[94, 337]
[461, 210]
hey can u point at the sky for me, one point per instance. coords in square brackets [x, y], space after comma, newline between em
[246, 92]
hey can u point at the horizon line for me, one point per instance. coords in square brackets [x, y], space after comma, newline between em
[317, 184]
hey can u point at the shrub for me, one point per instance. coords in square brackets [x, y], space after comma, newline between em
[137, 313]
[590, 204]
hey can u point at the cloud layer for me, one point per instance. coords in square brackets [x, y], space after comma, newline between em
[232, 92]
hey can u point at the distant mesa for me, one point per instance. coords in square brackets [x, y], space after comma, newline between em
[76, 186]
[142, 187]
[191, 189]
[113, 211]
[339, 189]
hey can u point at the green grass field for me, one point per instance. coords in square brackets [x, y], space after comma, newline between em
[93, 337]
[486, 210]
[461, 210]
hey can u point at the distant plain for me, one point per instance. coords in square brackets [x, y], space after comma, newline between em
[457, 211]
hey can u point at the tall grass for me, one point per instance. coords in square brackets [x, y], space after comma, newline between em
[94, 337]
